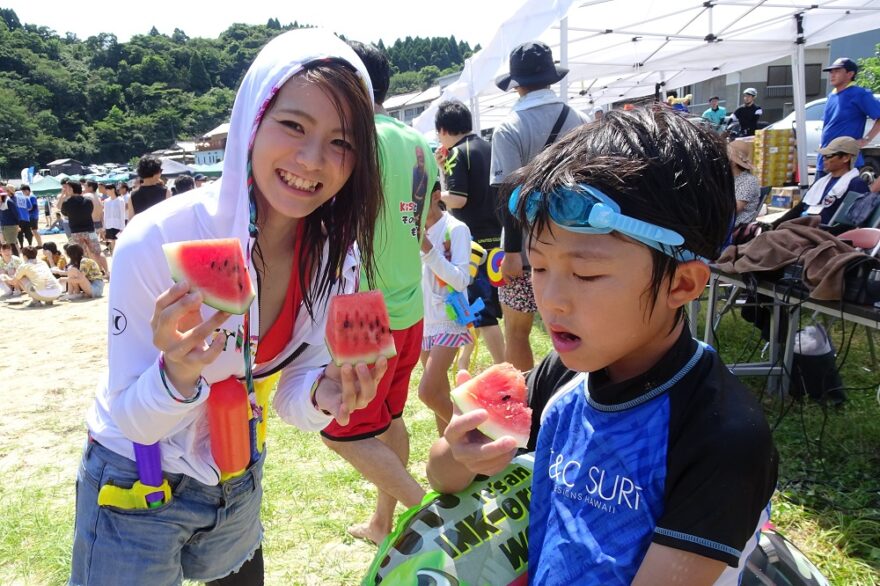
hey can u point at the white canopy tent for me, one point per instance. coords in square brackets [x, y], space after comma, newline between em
[621, 49]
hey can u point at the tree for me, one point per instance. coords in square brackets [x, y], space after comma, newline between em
[869, 72]
[178, 36]
[199, 80]
[10, 18]
[65, 97]
[17, 131]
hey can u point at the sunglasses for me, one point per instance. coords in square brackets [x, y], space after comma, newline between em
[586, 210]
[831, 156]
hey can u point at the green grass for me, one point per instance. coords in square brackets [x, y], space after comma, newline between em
[828, 502]
[828, 497]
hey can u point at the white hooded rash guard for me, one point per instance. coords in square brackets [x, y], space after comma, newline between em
[132, 403]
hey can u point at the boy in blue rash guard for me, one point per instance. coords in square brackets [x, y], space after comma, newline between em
[654, 465]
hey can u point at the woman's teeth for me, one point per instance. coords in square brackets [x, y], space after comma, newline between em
[298, 182]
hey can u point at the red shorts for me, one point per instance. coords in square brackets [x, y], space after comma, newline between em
[390, 399]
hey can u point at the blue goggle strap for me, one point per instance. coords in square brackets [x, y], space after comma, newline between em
[605, 217]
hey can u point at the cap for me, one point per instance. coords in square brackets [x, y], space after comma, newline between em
[531, 64]
[750, 91]
[199, 177]
[843, 63]
[714, 98]
[841, 144]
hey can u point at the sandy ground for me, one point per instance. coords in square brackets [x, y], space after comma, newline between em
[52, 358]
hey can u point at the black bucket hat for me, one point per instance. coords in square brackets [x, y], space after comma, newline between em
[531, 64]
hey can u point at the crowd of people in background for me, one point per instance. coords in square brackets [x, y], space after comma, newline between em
[91, 214]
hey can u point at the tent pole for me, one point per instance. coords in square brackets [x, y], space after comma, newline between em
[798, 78]
[563, 57]
[475, 114]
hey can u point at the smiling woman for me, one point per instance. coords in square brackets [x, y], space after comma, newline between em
[301, 192]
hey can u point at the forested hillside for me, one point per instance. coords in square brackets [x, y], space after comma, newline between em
[100, 100]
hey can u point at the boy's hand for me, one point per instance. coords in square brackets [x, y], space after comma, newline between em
[478, 453]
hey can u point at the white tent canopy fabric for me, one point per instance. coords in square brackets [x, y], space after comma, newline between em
[620, 49]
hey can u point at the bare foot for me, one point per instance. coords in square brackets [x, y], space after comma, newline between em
[369, 532]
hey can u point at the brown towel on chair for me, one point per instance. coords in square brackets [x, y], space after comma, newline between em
[824, 256]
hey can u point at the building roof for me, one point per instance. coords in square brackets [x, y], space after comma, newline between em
[399, 100]
[222, 129]
[62, 162]
[185, 145]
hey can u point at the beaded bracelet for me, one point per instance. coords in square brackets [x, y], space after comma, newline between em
[199, 383]
[314, 394]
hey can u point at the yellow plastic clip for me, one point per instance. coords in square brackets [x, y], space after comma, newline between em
[132, 498]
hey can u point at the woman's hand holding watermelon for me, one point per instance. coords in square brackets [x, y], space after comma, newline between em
[347, 388]
[180, 334]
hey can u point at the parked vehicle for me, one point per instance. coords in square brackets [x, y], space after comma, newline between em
[815, 112]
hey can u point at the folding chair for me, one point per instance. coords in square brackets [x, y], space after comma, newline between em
[874, 220]
[868, 239]
[840, 217]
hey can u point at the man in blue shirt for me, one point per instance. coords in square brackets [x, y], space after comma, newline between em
[33, 214]
[23, 203]
[847, 109]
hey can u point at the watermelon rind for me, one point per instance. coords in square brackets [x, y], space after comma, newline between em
[172, 255]
[464, 399]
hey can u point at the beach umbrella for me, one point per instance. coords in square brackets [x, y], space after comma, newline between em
[214, 170]
[46, 186]
[172, 168]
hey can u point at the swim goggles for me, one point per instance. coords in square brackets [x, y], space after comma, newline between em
[586, 210]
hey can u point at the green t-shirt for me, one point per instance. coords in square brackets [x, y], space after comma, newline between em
[409, 172]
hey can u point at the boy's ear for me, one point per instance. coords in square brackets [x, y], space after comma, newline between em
[688, 283]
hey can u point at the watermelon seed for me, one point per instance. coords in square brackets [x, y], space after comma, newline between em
[346, 324]
[505, 398]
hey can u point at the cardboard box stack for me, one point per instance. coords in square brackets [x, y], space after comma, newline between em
[774, 157]
[785, 197]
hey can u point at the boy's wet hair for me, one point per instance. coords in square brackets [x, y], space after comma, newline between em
[657, 166]
[453, 117]
[29, 252]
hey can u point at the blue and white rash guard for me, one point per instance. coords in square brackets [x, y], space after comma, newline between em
[681, 456]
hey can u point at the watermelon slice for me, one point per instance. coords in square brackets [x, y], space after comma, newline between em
[500, 390]
[216, 268]
[358, 328]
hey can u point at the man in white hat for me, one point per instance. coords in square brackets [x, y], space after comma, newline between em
[828, 192]
[749, 113]
[536, 121]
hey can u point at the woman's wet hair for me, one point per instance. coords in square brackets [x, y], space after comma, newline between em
[657, 166]
[352, 214]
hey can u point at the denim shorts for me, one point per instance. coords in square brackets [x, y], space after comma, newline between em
[204, 533]
[97, 288]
